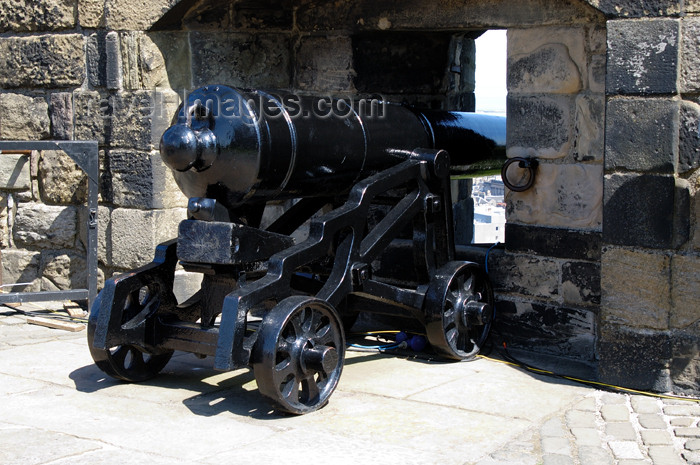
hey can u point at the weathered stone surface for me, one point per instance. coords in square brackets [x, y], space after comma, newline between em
[5, 215]
[151, 64]
[689, 148]
[141, 180]
[642, 56]
[685, 365]
[61, 271]
[61, 114]
[175, 49]
[42, 61]
[526, 274]
[633, 358]
[114, 60]
[685, 290]
[393, 62]
[557, 57]
[553, 242]
[60, 179]
[589, 128]
[540, 126]
[681, 213]
[20, 266]
[136, 233]
[637, 8]
[96, 56]
[324, 64]
[445, 15]
[639, 210]
[596, 73]
[91, 13]
[568, 196]
[45, 226]
[641, 134]
[580, 283]
[690, 55]
[548, 69]
[44, 15]
[14, 172]
[120, 120]
[241, 60]
[23, 118]
[635, 288]
[551, 329]
[134, 15]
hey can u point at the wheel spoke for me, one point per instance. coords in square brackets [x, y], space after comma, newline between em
[451, 336]
[283, 370]
[120, 354]
[310, 389]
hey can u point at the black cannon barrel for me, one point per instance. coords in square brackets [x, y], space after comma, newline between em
[237, 145]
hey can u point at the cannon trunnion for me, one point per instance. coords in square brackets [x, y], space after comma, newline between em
[273, 298]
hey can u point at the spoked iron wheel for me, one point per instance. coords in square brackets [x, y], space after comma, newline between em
[128, 362]
[459, 310]
[299, 353]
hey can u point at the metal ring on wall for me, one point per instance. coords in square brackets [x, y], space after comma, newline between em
[528, 163]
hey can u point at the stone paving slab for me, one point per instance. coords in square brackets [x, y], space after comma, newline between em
[56, 407]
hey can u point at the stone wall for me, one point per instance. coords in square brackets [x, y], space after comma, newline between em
[54, 84]
[602, 255]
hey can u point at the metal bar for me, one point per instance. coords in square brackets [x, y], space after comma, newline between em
[85, 154]
[43, 296]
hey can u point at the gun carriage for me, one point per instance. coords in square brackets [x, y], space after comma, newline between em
[362, 178]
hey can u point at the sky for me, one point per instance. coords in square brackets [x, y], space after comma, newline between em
[491, 72]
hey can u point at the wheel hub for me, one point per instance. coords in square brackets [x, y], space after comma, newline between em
[320, 358]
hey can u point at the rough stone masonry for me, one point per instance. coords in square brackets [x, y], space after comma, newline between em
[602, 255]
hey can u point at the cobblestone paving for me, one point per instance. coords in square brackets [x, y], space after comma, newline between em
[611, 429]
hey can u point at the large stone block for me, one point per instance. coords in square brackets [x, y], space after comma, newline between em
[134, 15]
[125, 119]
[175, 50]
[689, 148]
[45, 226]
[44, 15]
[62, 271]
[553, 242]
[638, 8]
[685, 291]
[690, 55]
[14, 172]
[42, 61]
[642, 134]
[634, 358]
[324, 64]
[548, 69]
[645, 211]
[392, 62]
[241, 60]
[569, 43]
[552, 329]
[141, 180]
[590, 128]
[540, 126]
[91, 13]
[23, 118]
[567, 196]
[61, 114]
[136, 233]
[21, 266]
[685, 365]
[60, 179]
[580, 283]
[96, 55]
[642, 56]
[635, 288]
[527, 275]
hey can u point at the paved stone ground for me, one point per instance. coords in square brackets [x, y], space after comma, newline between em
[56, 407]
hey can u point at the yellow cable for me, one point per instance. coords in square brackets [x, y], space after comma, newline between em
[585, 381]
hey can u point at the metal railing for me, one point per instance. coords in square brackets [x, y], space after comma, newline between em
[85, 155]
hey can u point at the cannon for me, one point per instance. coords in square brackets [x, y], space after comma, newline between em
[359, 180]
